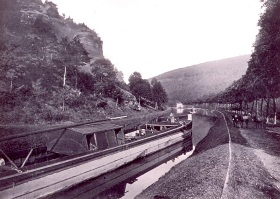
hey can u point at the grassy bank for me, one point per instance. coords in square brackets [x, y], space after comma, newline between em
[201, 127]
[132, 116]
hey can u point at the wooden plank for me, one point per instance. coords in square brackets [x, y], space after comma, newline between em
[27, 157]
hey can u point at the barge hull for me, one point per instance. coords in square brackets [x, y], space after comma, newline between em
[55, 181]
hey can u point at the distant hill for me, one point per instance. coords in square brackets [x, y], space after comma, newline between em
[189, 83]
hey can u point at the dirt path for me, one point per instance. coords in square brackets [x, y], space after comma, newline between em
[265, 145]
[225, 187]
[253, 172]
[228, 163]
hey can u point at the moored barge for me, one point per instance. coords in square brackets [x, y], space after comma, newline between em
[73, 154]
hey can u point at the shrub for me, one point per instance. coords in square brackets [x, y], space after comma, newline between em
[101, 105]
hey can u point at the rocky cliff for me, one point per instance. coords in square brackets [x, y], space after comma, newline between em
[23, 14]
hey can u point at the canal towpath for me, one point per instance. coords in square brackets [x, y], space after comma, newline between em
[228, 162]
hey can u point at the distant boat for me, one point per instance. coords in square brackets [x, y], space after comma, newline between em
[76, 153]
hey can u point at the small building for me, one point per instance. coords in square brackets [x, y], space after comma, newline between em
[179, 105]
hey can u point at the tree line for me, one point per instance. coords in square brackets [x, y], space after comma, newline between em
[153, 93]
[261, 83]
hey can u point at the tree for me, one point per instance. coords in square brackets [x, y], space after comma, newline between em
[85, 82]
[159, 94]
[11, 62]
[140, 87]
[104, 76]
[264, 65]
[69, 54]
[119, 75]
[261, 80]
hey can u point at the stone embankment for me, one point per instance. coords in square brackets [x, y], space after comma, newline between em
[227, 163]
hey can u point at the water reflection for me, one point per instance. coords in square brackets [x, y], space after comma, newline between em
[152, 176]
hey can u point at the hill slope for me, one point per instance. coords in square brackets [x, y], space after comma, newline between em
[19, 17]
[189, 83]
[43, 57]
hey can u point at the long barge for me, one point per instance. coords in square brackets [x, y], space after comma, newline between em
[73, 154]
[113, 184]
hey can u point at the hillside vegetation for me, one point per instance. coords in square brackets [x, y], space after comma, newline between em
[52, 69]
[257, 91]
[192, 82]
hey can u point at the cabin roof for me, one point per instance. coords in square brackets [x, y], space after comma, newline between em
[95, 128]
[167, 117]
[186, 115]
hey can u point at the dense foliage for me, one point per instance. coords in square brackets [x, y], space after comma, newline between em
[140, 87]
[159, 93]
[261, 80]
[48, 72]
[152, 93]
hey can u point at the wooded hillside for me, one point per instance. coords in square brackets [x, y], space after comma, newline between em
[192, 82]
[257, 91]
[53, 70]
[37, 43]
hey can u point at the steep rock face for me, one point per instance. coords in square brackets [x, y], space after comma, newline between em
[190, 83]
[67, 28]
[27, 11]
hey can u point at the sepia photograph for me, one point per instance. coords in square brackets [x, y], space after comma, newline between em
[140, 99]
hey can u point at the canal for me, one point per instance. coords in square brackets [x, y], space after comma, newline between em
[130, 180]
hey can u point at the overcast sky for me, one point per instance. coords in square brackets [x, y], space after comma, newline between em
[156, 36]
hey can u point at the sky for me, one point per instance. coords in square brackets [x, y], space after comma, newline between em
[156, 36]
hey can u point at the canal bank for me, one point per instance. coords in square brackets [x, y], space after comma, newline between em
[227, 163]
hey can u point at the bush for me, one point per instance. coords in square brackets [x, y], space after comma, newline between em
[7, 99]
[47, 115]
[61, 117]
[28, 119]
[101, 105]
[117, 94]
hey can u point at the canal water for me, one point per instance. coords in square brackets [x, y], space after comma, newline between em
[130, 180]
[201, 126]
[152, 176]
